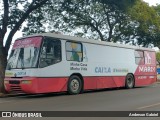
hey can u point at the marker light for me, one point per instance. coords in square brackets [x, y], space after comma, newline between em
[26, 82]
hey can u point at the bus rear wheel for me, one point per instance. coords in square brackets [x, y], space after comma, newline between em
[74, 85]
[129, 81]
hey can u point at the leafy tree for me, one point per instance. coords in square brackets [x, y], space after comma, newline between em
[129, 21]
[14, 13]
[39, 20]
[122, 5]
[99, 20]
[157, 33]
[147, 23]
[158, 57]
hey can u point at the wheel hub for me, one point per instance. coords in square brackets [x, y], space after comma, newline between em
[75, 85]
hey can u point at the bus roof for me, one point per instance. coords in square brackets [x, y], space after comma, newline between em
[91, 41]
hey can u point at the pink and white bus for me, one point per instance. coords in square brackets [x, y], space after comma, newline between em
[49, 62]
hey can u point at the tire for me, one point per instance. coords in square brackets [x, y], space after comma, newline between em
[129, 83]
[74, 85]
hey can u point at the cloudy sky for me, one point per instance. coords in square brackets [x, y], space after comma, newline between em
[152, 2]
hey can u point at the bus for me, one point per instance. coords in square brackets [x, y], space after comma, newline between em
[50, 62]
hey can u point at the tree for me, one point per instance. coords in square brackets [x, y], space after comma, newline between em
[100, 20]
[122, 5]
[106, 20]
[147, 23]
[15, 12]
[157, 33]
[129, 21]
[158, 57]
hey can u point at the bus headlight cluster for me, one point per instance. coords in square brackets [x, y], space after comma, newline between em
[6, 82]
[26, 81]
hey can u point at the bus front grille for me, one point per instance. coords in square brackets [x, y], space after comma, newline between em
[16, 89]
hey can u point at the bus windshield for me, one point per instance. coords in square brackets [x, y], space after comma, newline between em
[25, 53]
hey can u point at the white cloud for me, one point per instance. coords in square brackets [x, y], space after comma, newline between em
[152, 2]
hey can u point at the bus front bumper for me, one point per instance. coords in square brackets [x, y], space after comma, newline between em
[33, 85]
[20, 85]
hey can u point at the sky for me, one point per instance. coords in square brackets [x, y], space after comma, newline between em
[152, 2]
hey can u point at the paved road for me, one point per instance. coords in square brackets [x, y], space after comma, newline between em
[138, 99]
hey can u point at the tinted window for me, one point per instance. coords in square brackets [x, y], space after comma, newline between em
[50, 52]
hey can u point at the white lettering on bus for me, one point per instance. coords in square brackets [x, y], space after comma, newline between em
[146, 69]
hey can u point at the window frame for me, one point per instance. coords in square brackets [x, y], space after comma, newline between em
[45, 38]
[139, 57]
[66, 51]
[37, 64]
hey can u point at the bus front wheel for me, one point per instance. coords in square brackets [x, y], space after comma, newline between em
[129, 81]
[74, 85]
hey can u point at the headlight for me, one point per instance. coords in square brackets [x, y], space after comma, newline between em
[26, 81]
[6, 82]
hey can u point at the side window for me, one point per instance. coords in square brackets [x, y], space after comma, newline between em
[139, 57]
[50, 52]
[74, 51]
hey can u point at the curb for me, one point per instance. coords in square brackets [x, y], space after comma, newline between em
[2, 95]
